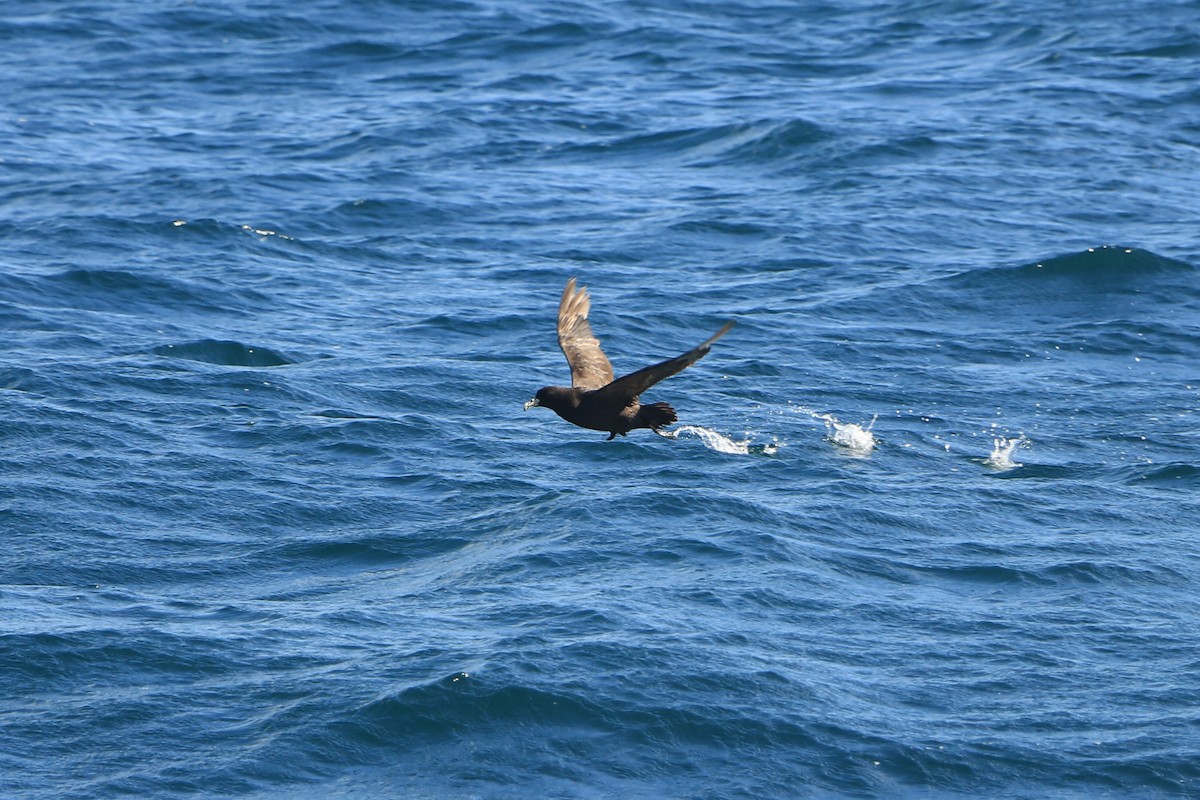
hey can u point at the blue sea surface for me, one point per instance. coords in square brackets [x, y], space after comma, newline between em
[277, 277]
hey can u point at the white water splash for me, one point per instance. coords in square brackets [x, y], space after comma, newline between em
[713, 440]
[854, 439]
[857, 440]
[720, 443]
[1002, 451]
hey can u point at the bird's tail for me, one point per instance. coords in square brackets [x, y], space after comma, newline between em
[656, 415]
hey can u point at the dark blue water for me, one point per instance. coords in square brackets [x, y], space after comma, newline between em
[276, 278]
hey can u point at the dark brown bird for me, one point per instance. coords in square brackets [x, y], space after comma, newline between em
[595, 400]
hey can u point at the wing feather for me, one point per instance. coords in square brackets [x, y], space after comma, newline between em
[590, 368]
[629, 386]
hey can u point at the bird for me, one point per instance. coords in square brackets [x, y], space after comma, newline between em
[595, 400]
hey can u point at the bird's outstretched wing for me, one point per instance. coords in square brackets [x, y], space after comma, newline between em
[590, 368]
[629, 386]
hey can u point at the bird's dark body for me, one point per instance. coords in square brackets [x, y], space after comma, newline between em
[594, 410]
[595, 400]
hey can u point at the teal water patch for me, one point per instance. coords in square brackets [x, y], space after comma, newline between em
[232, 354]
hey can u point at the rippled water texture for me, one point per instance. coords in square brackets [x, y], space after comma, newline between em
[276, 278]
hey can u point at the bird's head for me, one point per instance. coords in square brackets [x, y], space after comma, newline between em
[552, 397]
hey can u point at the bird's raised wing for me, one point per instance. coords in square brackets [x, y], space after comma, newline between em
[590, 368]
[630, 386]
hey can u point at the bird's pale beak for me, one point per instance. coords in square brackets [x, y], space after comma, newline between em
[532, 403]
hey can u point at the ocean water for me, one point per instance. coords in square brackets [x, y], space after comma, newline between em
[276, 278]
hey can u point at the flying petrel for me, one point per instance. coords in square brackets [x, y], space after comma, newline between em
[595, 400]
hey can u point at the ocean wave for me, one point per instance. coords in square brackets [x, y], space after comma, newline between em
[762, 142]
[1179, 475]
[225, 353]
[1089, 286]
[1088, 272]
